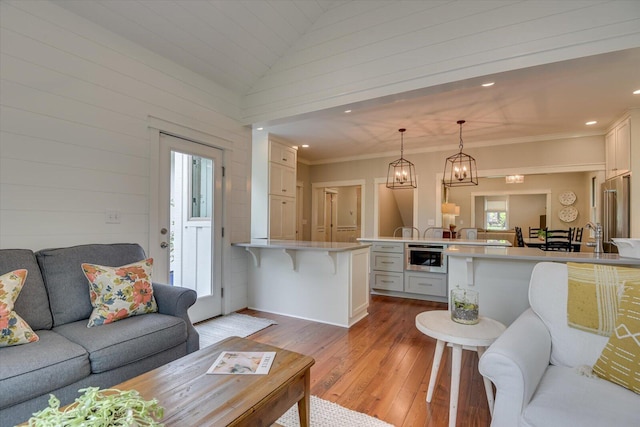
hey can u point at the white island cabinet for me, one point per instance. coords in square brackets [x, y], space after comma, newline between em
[320, 281]
[389, 273]
[501, 275]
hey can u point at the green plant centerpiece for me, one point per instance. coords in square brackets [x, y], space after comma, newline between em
[464, 306]
[100, 408]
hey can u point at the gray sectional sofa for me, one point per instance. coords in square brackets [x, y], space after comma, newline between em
[55, 302]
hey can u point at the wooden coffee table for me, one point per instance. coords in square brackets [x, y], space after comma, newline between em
[193, 398]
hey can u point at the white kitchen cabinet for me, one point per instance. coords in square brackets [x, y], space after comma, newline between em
[387, 280]
[282, 154]
[618, 149]
[434, 284]
[282, 180]
[282, 218]
[388, 274]
[387, 266]
[273, 189]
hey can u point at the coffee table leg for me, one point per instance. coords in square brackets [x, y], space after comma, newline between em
[487, 384]
[456, 365]
[304, 404]
[435, 367]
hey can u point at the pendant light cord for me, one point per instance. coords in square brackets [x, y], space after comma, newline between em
[461, 122]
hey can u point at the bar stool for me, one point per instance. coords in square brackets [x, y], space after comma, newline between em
[438, 324]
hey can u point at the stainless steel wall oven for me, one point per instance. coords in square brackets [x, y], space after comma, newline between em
[425, 257]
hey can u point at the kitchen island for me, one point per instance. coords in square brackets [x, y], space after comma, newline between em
[501, 275]
[415, 267]
[326, 282]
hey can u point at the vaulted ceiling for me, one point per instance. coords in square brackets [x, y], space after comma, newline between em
[235, 43]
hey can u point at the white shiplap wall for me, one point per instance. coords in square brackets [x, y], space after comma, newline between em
[365, 49]
[75, 107]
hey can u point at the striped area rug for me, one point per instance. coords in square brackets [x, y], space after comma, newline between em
[231, 325]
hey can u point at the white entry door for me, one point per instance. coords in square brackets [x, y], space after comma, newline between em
[190, 185]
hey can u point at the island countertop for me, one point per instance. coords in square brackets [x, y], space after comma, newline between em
[303, 245]
[437, 240]
[535, 254]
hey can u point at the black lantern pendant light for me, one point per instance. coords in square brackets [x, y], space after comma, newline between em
[402, 173]
[460, 169]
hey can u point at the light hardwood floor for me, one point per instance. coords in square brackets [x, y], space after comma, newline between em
[381, 365]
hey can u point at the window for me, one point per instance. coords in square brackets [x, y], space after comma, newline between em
[496, 212]
[201, 190]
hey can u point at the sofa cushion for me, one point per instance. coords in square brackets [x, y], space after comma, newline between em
[13, 330]
[67, 287]
[119, 292]
[548, 298]
[563, 394]
[620, 359]
[129, 340]
[32, 303]
[25, 373]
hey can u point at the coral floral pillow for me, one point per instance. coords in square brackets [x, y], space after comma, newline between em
[119, 292]
[13, 329]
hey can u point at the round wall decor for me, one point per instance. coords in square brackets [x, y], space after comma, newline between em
[568, 214]
[567, 198]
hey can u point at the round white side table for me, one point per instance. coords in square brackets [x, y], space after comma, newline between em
[438, 324]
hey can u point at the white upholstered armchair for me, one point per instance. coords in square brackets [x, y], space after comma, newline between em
[535, 366]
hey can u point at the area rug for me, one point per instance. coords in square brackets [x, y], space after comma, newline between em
[231, 325]
[329, 414]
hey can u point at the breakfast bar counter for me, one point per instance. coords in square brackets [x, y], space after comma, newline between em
[326, 282]
[438, 241]
[501, 275]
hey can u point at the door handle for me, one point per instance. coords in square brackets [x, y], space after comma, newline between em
[164, 245]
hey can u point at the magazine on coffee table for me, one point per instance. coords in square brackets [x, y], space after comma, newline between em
[243, 362]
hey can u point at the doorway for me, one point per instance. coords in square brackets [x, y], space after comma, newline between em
[337, 211]
[393, 209]
[190, 187]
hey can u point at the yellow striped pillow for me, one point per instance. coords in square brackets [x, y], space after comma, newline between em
[620, 359]
[594, 292]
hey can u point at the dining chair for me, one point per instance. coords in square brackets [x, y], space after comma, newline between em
[533, 233]
[519, 237]
[468, 233]
[576, 240]
[433, 232]
[401, 230]
[558, 240]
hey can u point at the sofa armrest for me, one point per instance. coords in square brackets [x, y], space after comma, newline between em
[515, 363]
[175, 301]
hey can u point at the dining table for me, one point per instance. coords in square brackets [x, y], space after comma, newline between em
[537, 242]
[534, 242]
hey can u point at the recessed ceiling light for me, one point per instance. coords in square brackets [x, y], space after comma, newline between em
[636, 92]
[591, 123]
[259, 128]
[347, 111]
[488, 84]
[305, 145]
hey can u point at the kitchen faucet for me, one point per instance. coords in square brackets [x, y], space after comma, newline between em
[598, 234]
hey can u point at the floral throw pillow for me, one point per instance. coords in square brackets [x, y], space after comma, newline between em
[119, 292]
[13, 329]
